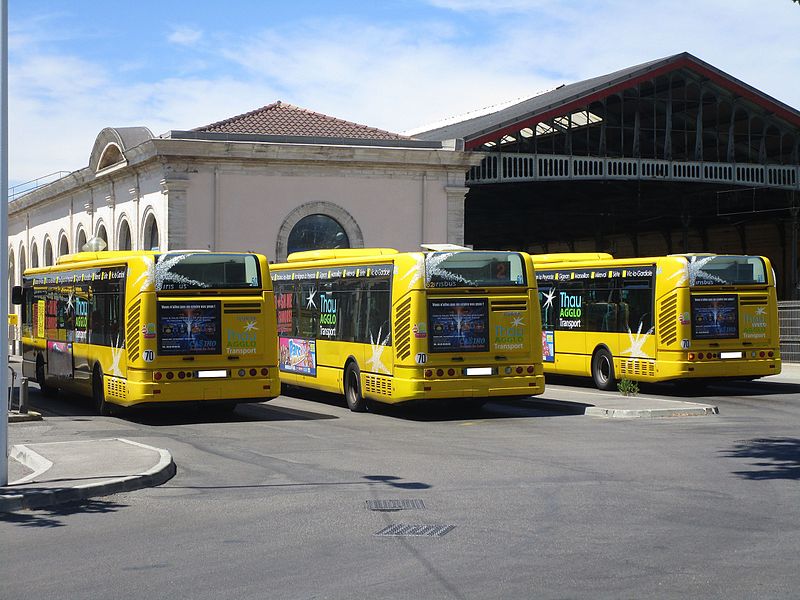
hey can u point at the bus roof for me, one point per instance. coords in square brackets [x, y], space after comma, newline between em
[558, 257]
[312, 255]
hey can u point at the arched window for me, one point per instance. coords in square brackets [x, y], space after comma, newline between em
[63, 245]
[48, 253]
[315, 232]
[150, 238]
[81, 240]
[101, 233]
[34, 255]
[23, 263]
[124, 238]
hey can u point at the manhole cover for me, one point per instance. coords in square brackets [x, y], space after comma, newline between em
[403, 530]
[395, 504]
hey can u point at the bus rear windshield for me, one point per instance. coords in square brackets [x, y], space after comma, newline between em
[204, 271]
[474, 269]
[726, 270]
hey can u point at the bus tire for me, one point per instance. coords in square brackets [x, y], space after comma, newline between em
[99, 393]
[352, 388]
[603, 370]
[47, 390]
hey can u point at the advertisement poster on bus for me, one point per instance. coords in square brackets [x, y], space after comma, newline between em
[298, 356]
[548, 346]
[459, 325]
[189, 328]
[715, 317]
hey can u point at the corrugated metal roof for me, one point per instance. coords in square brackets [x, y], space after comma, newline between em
[280, 118]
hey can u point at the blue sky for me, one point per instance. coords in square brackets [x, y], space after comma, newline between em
[78, 66]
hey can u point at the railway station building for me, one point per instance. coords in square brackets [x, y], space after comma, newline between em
[669, 156]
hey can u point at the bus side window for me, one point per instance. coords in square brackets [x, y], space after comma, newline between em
[637, 304]
[602, 307]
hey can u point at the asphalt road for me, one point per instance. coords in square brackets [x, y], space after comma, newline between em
[272, 502]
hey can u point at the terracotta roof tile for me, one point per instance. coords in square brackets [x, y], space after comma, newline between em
[280, 118]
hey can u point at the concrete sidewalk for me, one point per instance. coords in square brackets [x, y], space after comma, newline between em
[51, 473]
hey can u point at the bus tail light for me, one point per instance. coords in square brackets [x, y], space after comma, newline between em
[264, 372]
[530, 369]
[181, 375]
[762, 354]
[170, 375]
[241, 372]
[771, 354]
[451, 372]
[519, 370]
[428, 372]
[253, 372]
[439, 372]
[157, 375]
[691, 355]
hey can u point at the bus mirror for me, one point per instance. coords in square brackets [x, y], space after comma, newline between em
[16, 294]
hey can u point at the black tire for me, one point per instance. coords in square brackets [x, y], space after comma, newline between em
[99, 393]
[47, 390]
[352, 388]
[603, 370]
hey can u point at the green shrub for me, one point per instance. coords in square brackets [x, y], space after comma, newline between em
[627, 387]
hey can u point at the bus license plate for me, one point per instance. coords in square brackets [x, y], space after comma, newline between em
[478, 371]
[211, 374]
[724, 355]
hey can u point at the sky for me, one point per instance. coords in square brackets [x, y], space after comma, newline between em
[77, 66]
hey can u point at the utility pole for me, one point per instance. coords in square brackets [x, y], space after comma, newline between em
[4, 239]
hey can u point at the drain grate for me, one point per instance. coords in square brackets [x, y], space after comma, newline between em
[403, 530]
[395, 504]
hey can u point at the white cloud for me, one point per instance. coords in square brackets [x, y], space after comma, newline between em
[185, 36]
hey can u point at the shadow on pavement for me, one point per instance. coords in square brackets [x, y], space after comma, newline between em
[778, 458]
[49, 517]
[439, 410]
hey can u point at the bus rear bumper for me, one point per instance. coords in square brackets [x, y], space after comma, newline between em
[405, 390]
[260, 389]
[718, 369]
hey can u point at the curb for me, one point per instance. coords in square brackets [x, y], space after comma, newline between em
[162, 472]
[691, 409]
[653, 413]
[17, 417]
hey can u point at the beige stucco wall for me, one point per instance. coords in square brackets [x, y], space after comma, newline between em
[246, 196]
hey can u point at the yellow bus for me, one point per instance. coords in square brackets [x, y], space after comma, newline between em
[694, 317]
[387, 326]
[133, 328]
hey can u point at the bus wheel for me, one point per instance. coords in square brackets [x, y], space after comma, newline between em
[603, 370]
[352, 388]
[99, 394]
[47, 390]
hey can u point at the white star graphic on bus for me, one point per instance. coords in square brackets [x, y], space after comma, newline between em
[158, 273]
[250, 326]
[637, 341]
[116, 356]
[517, 322]
[694, 273]
[549, 296]
[416, 272]
[71, 301]
[761, 310]
[378, 346]
[311, 302]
